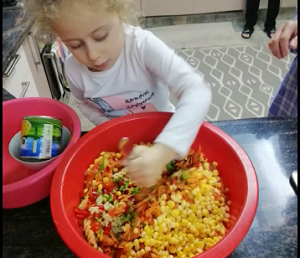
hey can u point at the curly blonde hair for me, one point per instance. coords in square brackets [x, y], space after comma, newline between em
[47, 11]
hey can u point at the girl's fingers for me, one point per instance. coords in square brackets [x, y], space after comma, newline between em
[140, 179]
[124, 162]
[137, 176]
[137, 151]
[145, 183]
[134, 165]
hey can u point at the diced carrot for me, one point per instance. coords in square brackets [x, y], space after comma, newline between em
[117, 211]
[147, 255]
[89, 178]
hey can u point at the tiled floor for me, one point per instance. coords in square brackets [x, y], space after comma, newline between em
[203, 35]
[217, 34]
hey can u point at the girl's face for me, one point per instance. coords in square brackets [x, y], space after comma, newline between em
[94, 38]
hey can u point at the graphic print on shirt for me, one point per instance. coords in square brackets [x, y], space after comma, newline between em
[115, 106]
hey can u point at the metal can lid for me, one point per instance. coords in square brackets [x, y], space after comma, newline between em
[50, 117]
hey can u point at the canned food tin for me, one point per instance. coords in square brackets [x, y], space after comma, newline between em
[40, 137]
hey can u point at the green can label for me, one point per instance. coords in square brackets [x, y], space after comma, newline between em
[40, 137]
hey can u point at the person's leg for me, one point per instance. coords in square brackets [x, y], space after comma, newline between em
[251, 17]
[251, 13]
[273, 10]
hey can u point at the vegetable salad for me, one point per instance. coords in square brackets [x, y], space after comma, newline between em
[184, 215]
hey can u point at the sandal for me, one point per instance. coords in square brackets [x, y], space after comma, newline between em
[270, 31]
[248, 32]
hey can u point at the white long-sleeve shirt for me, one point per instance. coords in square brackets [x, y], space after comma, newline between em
[144, 74]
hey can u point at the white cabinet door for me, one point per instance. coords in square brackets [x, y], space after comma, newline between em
[20, 82]
[36, 66]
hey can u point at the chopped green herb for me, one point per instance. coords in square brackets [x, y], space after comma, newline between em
[135, 214]
[106, 196]
[123, 187]
[135, 190]
[99, 220]
[171, 166]
[185, 176]
[100, 232]
[110, 198]
[126, 218]
[103, 164]
[119, 238]
[116, 181]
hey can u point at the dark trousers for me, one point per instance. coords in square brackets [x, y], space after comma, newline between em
[252, 9]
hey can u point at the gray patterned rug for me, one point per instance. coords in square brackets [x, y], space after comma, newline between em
[243, 79]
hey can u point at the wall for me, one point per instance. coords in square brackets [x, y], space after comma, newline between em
[181, 7]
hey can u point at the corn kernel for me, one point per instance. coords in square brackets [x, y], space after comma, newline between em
[215, 164]
[172, 249]
[128, 245]
[119, 193]
[199, 250]
[147, 243]
[186, 250]
[171, 204]
[173, 241]
[175, 212]
[206, 165]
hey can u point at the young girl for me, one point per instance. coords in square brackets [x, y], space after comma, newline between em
[117, 69]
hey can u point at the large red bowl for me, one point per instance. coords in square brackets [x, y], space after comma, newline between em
[235, 169]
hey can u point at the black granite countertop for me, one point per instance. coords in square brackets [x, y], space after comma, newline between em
[15, 27]
[272, 147]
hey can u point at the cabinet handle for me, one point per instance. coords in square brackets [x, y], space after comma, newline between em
[12, 65]
[35, 44]
[25, 86]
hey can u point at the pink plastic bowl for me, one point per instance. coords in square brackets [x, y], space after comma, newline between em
[234, 166]
[22, 186]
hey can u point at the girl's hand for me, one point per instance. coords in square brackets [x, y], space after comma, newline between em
[146, 164]
[286, 35]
